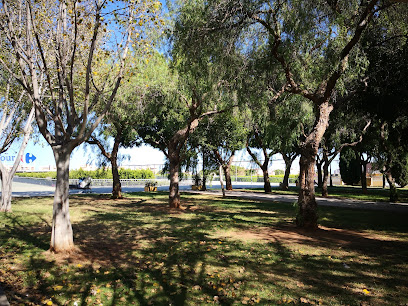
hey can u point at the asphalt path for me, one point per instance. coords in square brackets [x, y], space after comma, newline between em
[24, 189]
[34, 188]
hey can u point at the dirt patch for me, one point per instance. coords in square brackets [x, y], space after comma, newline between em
[322, 236]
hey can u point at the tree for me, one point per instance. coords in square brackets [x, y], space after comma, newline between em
[173, 110]
[59, 48]
[224, 135]
[121, 121]
[349, 167]
[14, 121]
[345, 130]
[196, 145]
[314, 43]
[400, 171]
[123, 136]
[261, 138]
[383, 97]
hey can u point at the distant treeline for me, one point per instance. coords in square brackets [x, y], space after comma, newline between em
[95, 174]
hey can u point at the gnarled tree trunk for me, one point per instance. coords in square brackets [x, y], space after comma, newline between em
[113, 159]
[174, 195]
[117, 186]
[226, 166]
[227, 173]
[267, 182]
[364, 176]
[307, 214]
[393, 188]
[326, 164]
[325, 192]
[319, 173]
[288, 165]
[265, 164]
[204, 186]
[62, 239]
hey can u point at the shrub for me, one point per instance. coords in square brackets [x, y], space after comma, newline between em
[48, 174]
[94, 174]
[350, 168]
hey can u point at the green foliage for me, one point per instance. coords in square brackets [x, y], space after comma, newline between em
[94, 174]
[349, 164]
[279, 172]
[399, 171]
[225, 132]
[48, 174]
[238, 170]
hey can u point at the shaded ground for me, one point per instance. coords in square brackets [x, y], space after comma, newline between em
[331, 201]
[373, 194]
[228, 251]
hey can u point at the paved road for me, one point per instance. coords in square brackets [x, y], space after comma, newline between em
[33, 188]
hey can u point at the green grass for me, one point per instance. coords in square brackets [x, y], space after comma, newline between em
[228, 251]
[349, 192]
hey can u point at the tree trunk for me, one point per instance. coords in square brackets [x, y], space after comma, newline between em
[221, 182]
[62, 239]
[204, 186]
[288, 165]
[326, 163]
[307, 214]
[174, 195]
[331, 180]
[117, 187]
[364, 177]
[325, 192]
[319, 174]
[227, 173]
[6, 189]
[393, 188]
[267, 183]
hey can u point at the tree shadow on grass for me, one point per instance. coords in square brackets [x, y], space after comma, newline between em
[143, 253]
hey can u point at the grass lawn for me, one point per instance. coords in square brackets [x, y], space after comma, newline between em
[349, 192]
[227, 251]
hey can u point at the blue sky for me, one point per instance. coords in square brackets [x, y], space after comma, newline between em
[143, 155]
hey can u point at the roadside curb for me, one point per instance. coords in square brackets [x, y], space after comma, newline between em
[3, 298]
